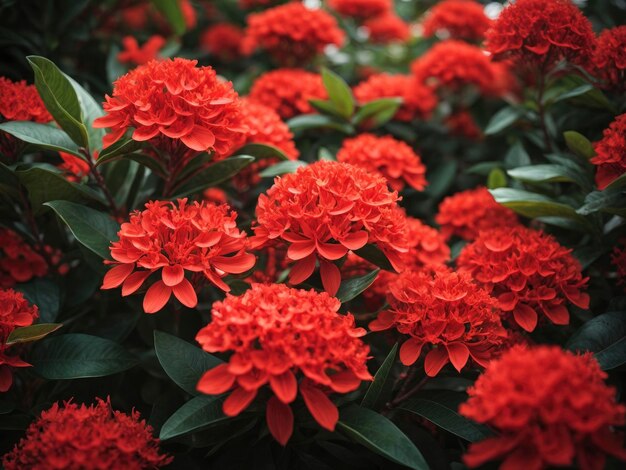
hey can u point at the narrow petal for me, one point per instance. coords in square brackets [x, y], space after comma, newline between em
[331, 277]
[344, 382]
[186, 294]
[284, 386]
[525, 316]
[321, 408]
[117, 275]
[558, 314]
[331, 251]
[299, 250]
[410, 351]
[172, 275]
[435, 360]
[459, 354]
[134, 282]
[156, 297]
[238, 401]
[215, 381]
[234, 264]
[199, 139]
[279, 420]
[302, 270]
[145, 133]
[355, 240]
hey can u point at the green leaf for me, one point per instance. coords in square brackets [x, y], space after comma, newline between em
[339, 93]
[551, 173]
[45, 294]
[60, 98]
[214, 174]
[174, 14]
[503, 119]
[184, 363]
[496, 179]
[441, 408]
[325, 154]
[375, 256]
[198, 413]
[351, 288]
[516, 156]
[318, 121]
[27, 334]
[91, 110]
[605, 336]
[579, 144]
[378, 390]
[91, 228]
[261, 151]
[377, 433]
[441, 178]
[574, 92]
[281, 168]
[609, 200]
[41, 136]
[77, 356]
[118, 150]
[326, 107]
[377, 112]
[617, 183]
[483, 168]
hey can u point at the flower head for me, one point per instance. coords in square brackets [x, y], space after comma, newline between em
[457, 19]
[18, 261]
[387, 29]
[446, 311]
[325, 210]
[173, 239]
[361, 8]
[528, 271]
[223, 40]
[610, 158]
[74, 167]
[466, 213]
[293, 340]
[550, 407]
[389, 157]
[133, 54]
[87, 437]
[609, 57]
[292, 34]
[21, 102]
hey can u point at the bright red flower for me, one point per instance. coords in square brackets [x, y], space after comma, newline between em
[541, 33]
[361, 8]
[325, 210]
[75, 168]
[610, 158]
[550, 408]
[528, 271]
[386, 156]
[462, 124]
[290, 339]
[21, 102]
[419, 101]
[466, 213]
[457, 19]
[288, 91]
[215, 196]
[83, 437]
[222, 40]
[609, 57]
[133, 54]
[386, 29]
[446, 311]
[18, 261]
[172, 239]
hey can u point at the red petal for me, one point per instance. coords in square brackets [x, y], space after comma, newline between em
[302, 270]
[145, 133]
[331, 277]
[284, 386]
[116, 275]
[6, 378]
[321, 408]
[384, 321]
[172, 275]
[134, 282]
[279, 420]
[507, 301]
[435, 360]
[234, 264]
[525, 316]
[410, 351]
[331, 251]
[238, 401]
[355, 240]
[459, 354]
[299, 250]
[344, 382]
[199, 139]
[186, 294]
[558, 314]
[216, 380]
[156, 297]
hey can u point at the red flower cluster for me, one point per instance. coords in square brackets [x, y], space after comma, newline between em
[21, 102]
[609, 57]
[222, 40]
[75, 168]
[610, 158]
[618, 259]
[549, 407]
[18, 261]
[83, 437]
[133, 54]
[136, 17]
[541, 33]
[462, 124]
[325, 210]
[15, 312]
[201, 238]
[361, 8]
[445, 310]
[466, 213]
[292, 34]
[386, 156]
[288, 91]
[277, 335]
[176, 106]
[387, 28]
[419, 101]
[457, 19]
[528, 271]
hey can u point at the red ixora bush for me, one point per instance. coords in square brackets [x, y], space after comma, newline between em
[223, 40]
[361, 8]
[172, 239]
[325, 210]
[292, 339]
[84, 437]
[609, 57]
[134, 54]
[550, 408]
[528, 271]
[610, 158]
[387, 28]
[457, 19]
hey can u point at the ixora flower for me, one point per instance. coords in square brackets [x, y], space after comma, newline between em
[19, 262]
[292, 34]
[361, 8]
[75, 168]
[291, 339]
[457, 19]
[325, 210]
[446, 311]
[549, 407]
[87, 437]
[387, 28]
[134, 54]
[288, 91]
[389, 157]
[609, 57]
[223, 40]
[610, 158]
[466, 213]
[528, 271]
[172, 239]
[541, 33]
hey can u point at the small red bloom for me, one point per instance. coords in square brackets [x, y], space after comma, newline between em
[288, 91]
[361, 8]
[446, 311]
[609, 57]
[541, 33]
[83, 437]
[75, 168]
[133, 54]
[550, 408]
[419, 101]
[462, 124]
[389, 157]
[528, 271]
[18, 261]
[293, 340]
[222, 40]
[215, 196]
[292, 34]
[325, 210]
[466, 213]
[610, 158]
[387, 28]
[457, 19]
[173, 239]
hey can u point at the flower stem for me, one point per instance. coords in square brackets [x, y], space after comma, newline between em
[100, 182]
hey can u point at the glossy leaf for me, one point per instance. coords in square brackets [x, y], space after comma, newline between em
[214, 175]
[351, 288]
[377, 112]
[503, 119]
[174, 14]
[496, 179]
[44, 293]
[318, 121]
[375, 256]
[117, 150]
[549, 173]
[380, 388]
[90, 110]
[41, 136]
[27, 334]
[261, 151]
[281, 168]
[609, 200]
[605, 336]
[198, 413]
[579, 144]
[339, 93]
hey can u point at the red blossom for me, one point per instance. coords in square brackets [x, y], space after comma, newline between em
[133, 54]
[323, 211]
[293, 340]
[75, 167]
[83, 437]
[610, 158]
[361, 9]
[466, 213]
[19, 262]
[609, 57]
[215, 196]
[172, 239]
[528, 271]
[457, 19]
[446, 312]
[386, 29]
[462, 124]
[222, 40]
[21, 102]
[549, 407]
[389, 157]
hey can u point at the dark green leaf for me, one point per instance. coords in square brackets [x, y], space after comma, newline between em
[496, 179]
[117, 150]
[377, 112]
[351, 288]
[573, 93]
[516, 156]
[198, 413]
[326, 107]
[41, 136]
[579, 144]
[46, 295]
[318, 121]
[174, 14]
[376, 393]
[617, 182]
[503, 119]
[483, 168]
[549, 173]
[214, 174]
[261, 151]
[440, 179]
[609, 200]
[605, 336]
[91, 110]
[339, 93]
[375, 256]
[26, 334]
[281, 168]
